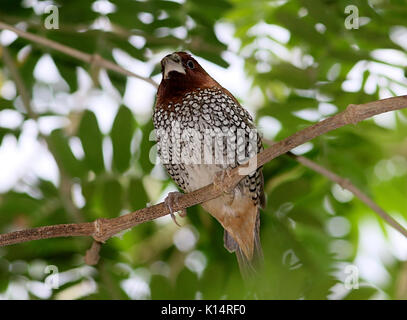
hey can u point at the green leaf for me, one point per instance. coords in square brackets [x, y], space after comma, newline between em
[6, 104]
[187, 285]
[137, 194]
[145, 147]
[362, 293]
[13, 204]
[161, 288]
[14, 7]
[63, 154]
[67, 70]
[91, 139]
[112, 197]
[5, 131]
[4, 271]
[47, 188]
[121, 134]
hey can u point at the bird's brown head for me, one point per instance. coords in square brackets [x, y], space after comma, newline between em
[181, 73]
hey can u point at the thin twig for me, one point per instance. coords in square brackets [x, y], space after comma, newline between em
[94, 59]
[346, 184]
[92, 255]
[102, 229]
[18, 80]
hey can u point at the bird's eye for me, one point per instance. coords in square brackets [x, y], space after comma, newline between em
[190, 64]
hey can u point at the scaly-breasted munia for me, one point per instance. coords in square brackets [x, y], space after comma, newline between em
[201, 131]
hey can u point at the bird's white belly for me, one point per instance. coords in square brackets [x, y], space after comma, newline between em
[200, 175]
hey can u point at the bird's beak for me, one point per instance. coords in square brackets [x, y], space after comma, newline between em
[170, 63]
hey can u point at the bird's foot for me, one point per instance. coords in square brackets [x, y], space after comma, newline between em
[172, 198]
[222, 181]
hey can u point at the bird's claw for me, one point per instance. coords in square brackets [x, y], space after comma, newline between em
[222, 181]
[172, 198]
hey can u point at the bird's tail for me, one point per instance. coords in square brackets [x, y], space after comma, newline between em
[248, 267]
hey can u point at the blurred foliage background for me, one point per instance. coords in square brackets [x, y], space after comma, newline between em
[84, 150]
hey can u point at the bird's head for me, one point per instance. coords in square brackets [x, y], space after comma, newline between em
[181, 73]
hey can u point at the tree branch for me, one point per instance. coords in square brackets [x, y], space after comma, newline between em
[94, 59]
[92, 255]
[352, 114]
[346, 184]
[102, 229]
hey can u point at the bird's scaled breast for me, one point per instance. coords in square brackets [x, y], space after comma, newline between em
[203, 133]
[200, 110]
[199, 120]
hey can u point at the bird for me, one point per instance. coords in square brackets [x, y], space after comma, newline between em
[202, 133]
